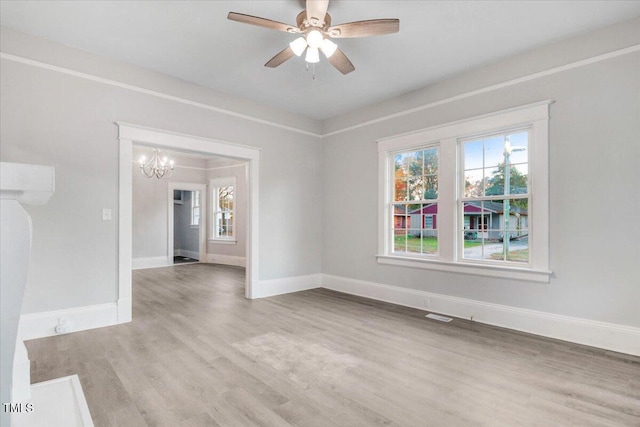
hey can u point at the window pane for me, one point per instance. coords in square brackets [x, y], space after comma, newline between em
[400, 241]
[494, 179]
[493, 151]
[518, 179]
[473, 154]
[431, 161]
[415, 179]
[416, 175]
[429, 228]
[518, 250]
[225, 198]
[473, 180]
[496, 230]
[414, 163]
[416, 188]
[400, 190]
[400, 218]
[414, 240]
[430, 187]
[430, 242]
[519, 147]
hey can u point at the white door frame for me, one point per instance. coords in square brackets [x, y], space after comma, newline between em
[128, 134]
[202, 228]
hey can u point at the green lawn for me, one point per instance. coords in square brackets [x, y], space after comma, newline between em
[521, 255]
[429, 244]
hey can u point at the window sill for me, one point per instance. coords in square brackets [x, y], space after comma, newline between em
[223, 241]
[194, 226]
[540, 276]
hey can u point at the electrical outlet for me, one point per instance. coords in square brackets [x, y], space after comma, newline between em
[427, 303]
[63, 325]
[63, 328]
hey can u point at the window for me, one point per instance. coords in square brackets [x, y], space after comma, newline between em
[223, 196]
[415, 201]
[495, 197]
[195, 208]
[470, 196]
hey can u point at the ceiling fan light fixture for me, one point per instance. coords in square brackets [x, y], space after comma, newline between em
[313, 55]
[298, 46]
[314, 39]
[328, 47]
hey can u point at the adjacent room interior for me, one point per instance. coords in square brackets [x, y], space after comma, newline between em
[415, 213]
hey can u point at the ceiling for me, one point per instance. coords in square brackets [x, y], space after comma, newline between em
[195, 42]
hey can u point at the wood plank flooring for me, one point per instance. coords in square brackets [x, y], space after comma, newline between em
[199, 354]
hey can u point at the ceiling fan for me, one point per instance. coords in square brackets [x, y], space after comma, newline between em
[314, 26]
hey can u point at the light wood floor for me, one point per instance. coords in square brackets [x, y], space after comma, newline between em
[199, 354]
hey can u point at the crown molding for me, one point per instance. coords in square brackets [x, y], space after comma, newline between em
[134, 88]
[468, 94]
[490, 88]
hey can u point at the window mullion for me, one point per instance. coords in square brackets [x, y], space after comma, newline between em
[447, 192]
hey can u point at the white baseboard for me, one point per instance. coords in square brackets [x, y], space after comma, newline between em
[239, 261]
[39, 325]
[151, 262]
[609, 336]
[269, 288]
[614, 337]
[184, 252]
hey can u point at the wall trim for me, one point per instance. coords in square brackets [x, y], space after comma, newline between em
[511, 82]
[134, 88]
[39, 325]
[151, 262]
[609, 336]
[238, 261]
[490, 88]
[286, 285]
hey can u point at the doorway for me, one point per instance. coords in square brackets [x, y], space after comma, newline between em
[129, 135]
[187, 219]
[186, 240]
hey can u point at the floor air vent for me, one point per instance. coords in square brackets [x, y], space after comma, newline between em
[438, 317]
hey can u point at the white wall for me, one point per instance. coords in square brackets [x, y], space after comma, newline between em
[594, 158]
[65, 117]
[149, 202]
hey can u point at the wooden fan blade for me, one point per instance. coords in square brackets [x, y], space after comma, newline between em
[262, 22]
[316, 11]
[281, 57]
[341, 62]
[373, 27]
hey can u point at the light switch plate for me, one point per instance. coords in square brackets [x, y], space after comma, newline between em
[106, 214]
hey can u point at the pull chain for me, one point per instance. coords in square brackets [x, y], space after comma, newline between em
[313, 69]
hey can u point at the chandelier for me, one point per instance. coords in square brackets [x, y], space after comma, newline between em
[156, 166]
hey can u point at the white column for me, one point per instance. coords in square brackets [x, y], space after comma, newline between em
[19, 185]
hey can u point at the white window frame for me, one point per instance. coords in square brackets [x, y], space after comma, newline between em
[196, 195]
[449, 258]
[407, 203]
[214, 185]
